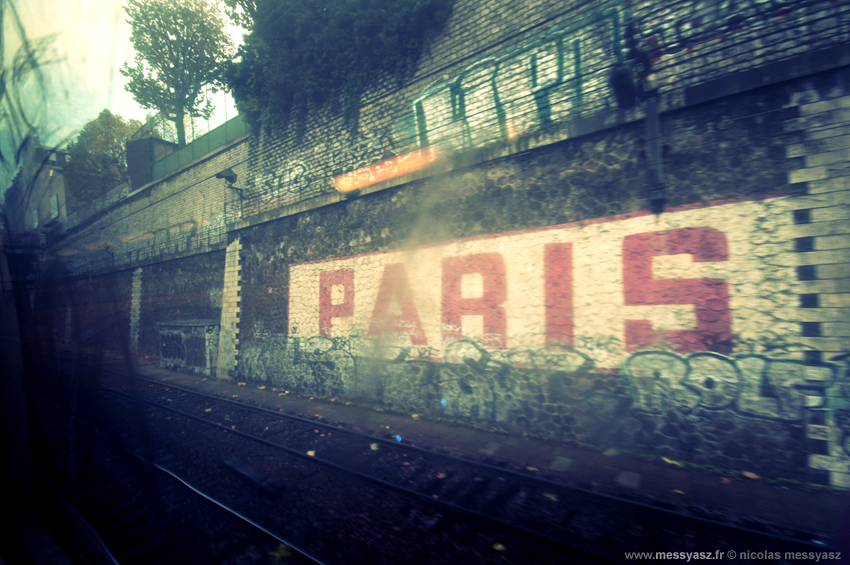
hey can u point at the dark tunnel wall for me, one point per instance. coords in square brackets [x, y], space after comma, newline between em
[181, 289]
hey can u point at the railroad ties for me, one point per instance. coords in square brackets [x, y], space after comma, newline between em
[486, 508]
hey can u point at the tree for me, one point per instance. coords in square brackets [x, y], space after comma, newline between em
[97, 159]
[181, 46]
[241, 12]
[157, 126]
[302, 56]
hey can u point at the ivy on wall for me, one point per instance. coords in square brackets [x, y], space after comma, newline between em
[301, 57]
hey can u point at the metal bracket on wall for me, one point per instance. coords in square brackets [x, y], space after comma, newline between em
[638, 68]
[655, 164]
[230, 178]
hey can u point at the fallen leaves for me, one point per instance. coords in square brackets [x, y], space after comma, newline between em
[415, 416]
[311, 453]
[241, 384]
[261, 387]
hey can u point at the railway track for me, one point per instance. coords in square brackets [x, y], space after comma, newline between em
[124, 509]
[456, 492]
[345, 515]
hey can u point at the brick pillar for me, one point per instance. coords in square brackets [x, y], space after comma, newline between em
[231, 301]
[135, 310]
[820, 250]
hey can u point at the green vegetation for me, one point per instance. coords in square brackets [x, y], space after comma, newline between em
[301, 57]
[181, 47]
[97, 158]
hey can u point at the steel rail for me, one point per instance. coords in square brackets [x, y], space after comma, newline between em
[383, 485]
[194, 491]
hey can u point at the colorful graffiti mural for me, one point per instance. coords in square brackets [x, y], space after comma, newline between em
[527, 87]
[751, 411]
[191, 344]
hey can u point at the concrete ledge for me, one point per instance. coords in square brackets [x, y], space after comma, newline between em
[800, 66]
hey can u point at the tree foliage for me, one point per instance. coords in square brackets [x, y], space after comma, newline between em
[241, 12]
[157, 126]
[181, 46]
[301, 56]
[97, 159]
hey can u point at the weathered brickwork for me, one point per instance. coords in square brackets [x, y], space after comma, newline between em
[181, 289]
[228, 354]
[821, 241]
[183, 214]
[100, 310]
[511, 291]
[521, 280]
[525, 70]
[135, 310]
[554, 70]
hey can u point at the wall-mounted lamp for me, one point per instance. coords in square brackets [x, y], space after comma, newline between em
[230, 177]
[623, 85]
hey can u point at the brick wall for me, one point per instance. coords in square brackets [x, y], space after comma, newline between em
[228, 345]
[178, 290]
[820, 238]
[525, 75]
[563, 279]
[182, 215]
[521, 281]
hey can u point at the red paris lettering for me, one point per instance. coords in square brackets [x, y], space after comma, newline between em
[491, 267]
[558, 267]
[396, 290]
[710, 297]
[327, 309]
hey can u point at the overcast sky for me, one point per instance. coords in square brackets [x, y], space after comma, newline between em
[92, 42]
